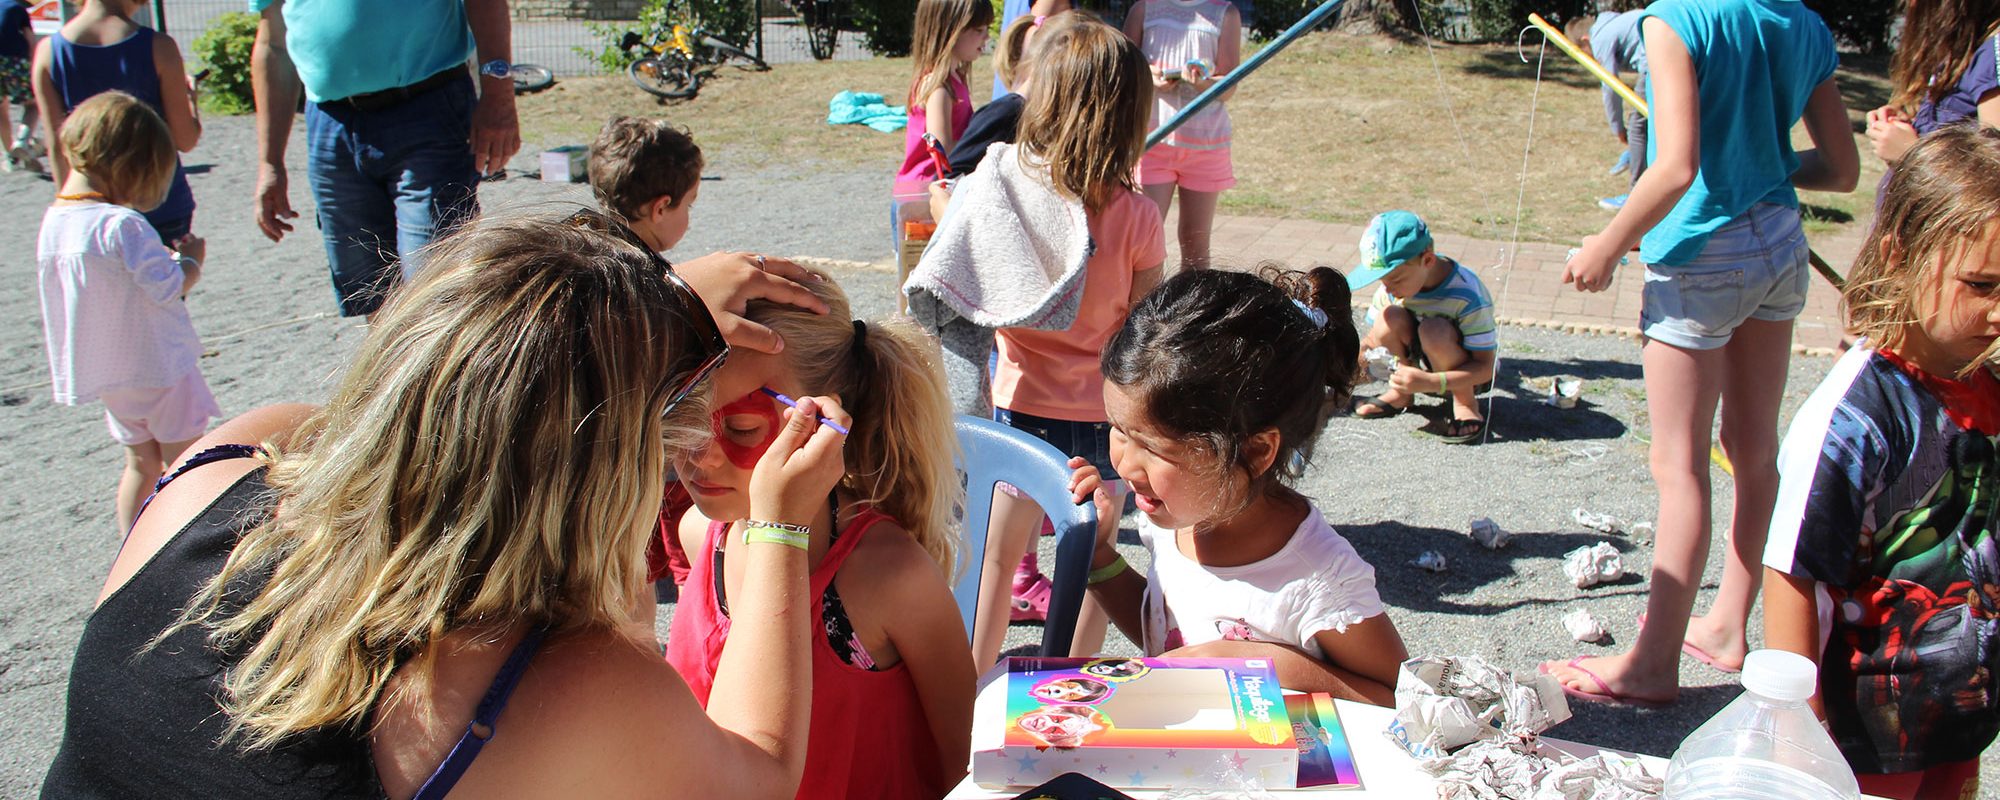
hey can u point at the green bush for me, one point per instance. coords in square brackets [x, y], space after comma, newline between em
[731, 20]
[224, 50]
[1274, 16]
[888, 26]
[1495, 20]
[1861, 24]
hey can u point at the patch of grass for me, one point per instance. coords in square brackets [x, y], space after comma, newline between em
[1342, 127]
[1335, 129]
[762, 117]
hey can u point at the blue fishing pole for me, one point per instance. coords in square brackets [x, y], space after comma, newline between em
[1202, 100]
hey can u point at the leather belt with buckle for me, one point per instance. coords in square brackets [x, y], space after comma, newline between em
[390, 98]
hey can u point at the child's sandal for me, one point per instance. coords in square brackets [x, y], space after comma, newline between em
[1463, 431]
[1377, 408]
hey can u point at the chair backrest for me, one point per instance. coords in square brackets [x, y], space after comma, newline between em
[993, 453]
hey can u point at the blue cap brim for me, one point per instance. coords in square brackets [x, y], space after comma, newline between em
[1361, 277]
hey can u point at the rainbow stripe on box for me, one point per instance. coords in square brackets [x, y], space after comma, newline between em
[1325, 761]
[1153, 721]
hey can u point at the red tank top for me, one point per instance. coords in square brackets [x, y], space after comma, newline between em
[869, 736]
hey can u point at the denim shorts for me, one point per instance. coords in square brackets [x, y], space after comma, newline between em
[385, 183]
[1754, 267]
[1091, 440]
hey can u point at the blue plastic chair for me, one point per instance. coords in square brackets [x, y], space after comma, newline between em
[993, 453]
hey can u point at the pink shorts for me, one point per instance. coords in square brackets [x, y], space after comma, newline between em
[177, 413]
[1197, 170]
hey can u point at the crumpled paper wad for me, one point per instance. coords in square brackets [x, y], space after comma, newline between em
[1598, 521]
[1564, 391]
[1583, 627]
[1446, 702]
[1514, 769]
[1592, 565]
[1381, 365]
[1487, 534]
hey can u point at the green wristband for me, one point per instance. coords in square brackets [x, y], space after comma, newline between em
[1444, 383]
[795, 536]
[1107, 572]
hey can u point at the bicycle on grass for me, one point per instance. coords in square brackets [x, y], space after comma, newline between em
[674, 59]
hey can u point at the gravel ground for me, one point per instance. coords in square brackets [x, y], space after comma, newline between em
[265, 312]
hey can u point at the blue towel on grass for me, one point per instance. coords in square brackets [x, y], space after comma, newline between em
[858, 108]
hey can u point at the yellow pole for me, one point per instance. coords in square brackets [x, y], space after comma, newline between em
[1589, 63]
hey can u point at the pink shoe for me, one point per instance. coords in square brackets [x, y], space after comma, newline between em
[1031, 592]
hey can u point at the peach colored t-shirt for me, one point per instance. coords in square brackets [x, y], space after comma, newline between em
[1055, 374]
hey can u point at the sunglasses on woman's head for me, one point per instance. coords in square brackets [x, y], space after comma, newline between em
[705, 328]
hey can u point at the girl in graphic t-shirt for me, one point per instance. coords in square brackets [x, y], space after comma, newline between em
[1883, 566]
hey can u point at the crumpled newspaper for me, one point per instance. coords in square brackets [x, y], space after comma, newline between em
[1564, 391]
[1444, 702]
[1430, 561]
[1381, 365]
[1592, 565]
[1513, 769]
[1583, 627]
[1488, 534]
[1598, 521]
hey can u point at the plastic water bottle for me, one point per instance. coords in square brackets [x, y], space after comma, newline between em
[1764, 744]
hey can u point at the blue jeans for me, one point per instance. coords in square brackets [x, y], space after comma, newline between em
[1091, 440]
[386, 183]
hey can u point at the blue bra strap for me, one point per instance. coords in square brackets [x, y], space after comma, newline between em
[481, 728]
[220, 452]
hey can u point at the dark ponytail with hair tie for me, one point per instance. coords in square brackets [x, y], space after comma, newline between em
[1217, 356]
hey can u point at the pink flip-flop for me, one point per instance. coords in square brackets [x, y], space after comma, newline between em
[1604, 694]
[1702, 656]
[1697, 653]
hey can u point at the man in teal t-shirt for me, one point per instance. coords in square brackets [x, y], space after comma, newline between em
[397, 137]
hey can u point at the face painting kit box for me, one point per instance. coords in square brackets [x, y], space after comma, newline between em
[1136, 723]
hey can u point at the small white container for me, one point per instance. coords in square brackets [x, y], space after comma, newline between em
[569, 163]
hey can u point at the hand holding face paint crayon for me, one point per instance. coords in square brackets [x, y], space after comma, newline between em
[776, 395]
[790, 482]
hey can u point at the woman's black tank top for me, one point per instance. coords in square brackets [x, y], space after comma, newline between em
[147, 722]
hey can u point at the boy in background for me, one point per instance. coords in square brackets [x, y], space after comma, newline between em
[1613, 39]
[1431, 313]
[646, 173]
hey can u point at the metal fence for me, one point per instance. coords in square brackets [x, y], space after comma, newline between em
[563, 35]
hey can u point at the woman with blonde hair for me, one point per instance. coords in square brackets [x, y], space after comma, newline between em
[453, 547]
[892, 676]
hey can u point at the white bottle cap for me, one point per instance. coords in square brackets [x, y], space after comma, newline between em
[1781, 675]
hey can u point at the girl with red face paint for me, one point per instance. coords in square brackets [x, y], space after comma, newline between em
[892, 674]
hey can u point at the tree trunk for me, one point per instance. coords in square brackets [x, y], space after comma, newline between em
[1375, 16]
